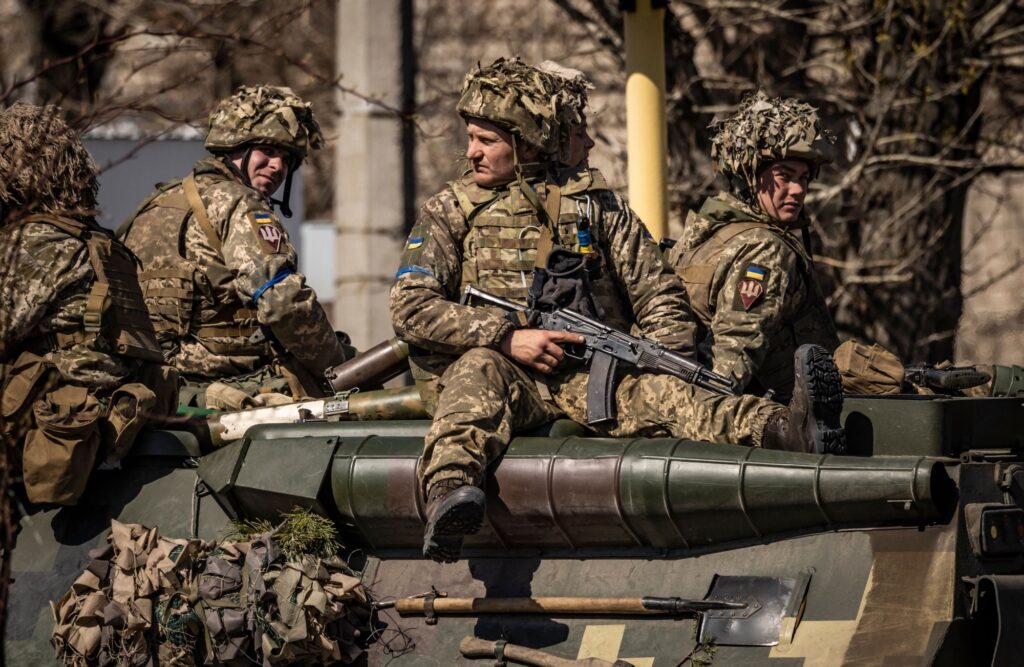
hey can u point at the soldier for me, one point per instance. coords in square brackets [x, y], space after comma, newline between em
[81, 368]
[219, 273]
[491, 228]
[750, 281]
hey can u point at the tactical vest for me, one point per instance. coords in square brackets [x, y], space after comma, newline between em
[179, 292]
[114, 309]
[812, 323]
[507, 229]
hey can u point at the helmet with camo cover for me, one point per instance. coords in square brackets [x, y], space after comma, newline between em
[573, 89]
[269, 115]
[44, 166]
[517, 98]
[764, 130]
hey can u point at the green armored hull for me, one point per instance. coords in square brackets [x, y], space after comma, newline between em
[912, 555]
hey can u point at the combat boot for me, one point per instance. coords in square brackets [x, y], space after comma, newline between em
[812, 422]
[454, 509]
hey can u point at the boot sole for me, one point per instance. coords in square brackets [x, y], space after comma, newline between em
[825, 387]
[463, 515]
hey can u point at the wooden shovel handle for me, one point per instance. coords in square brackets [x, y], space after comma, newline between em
[542, 605]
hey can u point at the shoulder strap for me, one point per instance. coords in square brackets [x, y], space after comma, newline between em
[72, 227]
[199, 211]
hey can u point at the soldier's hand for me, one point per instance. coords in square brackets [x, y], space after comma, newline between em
[537, 348]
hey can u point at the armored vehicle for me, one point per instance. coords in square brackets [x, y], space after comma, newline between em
[908, 551]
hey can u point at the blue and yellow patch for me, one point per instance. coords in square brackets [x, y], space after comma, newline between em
[755, 272]
[263, 218]
[414, 243]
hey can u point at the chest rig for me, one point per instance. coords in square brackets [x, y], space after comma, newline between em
[513, 229]
[115, 320]
[179, 292]
[810, 322]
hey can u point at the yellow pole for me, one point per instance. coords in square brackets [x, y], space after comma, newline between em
[646, 133]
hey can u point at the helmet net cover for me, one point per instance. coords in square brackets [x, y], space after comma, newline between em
[44, 167]
[764, 130]
[573, 91]
[517, 98]
[270, 115]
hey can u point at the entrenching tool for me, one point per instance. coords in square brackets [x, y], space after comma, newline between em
[472, 647]
[432, 605]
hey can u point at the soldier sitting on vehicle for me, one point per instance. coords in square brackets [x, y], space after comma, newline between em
[80, 366]
[511, 212]
[750, 280]
[219, 273]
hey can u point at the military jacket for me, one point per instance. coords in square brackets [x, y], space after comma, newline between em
[68, 292]
[220, 279]
[488, 238]
[752, 286]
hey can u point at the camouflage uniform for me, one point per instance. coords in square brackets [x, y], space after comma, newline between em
[229, 298]
[483, 396]
[82, 370]
[751, 282]
[751, 340]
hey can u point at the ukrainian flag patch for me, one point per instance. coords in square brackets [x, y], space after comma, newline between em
[263, 218]
[414, 242]
[755, 272]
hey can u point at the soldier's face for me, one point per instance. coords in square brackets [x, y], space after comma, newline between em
[490, 154]
[268, 167]
[580, 143]
[781, 189]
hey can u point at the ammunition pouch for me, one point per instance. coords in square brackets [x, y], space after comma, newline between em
[24, 382]
[131, 407]
[60, 451]
[869, 370]
[170, 297]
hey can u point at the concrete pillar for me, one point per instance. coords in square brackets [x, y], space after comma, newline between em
[369, 207]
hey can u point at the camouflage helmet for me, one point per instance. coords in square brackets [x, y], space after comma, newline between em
[764, 130]
[269, 115]
[573, 88]
[517, 98]
[44, 166]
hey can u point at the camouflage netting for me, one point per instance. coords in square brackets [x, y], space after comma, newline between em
[516, 97]
[146, 599]
[766, 129]
[43, 165]
[269, 115]
[573, 89]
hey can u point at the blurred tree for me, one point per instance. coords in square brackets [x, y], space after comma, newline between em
[901, 82]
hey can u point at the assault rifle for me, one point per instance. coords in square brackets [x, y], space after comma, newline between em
[950, 378]
[603, 348]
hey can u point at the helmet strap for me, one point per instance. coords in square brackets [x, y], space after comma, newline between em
[283, 202]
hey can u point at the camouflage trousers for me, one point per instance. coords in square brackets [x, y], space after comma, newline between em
[485, 397]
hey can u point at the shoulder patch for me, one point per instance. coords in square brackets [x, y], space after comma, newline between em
[268, 230]
[751, 287]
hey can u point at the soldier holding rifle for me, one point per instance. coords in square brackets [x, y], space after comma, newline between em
[517, 212]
